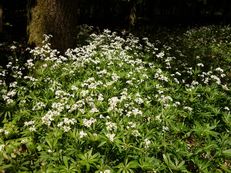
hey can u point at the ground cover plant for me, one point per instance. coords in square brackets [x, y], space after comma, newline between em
[119, 104]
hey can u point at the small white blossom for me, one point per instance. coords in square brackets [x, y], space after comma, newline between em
[200, 65]
[113, 103]
[225, 87]
[2, 147]
[160, 55]
[28, 123]
[49, 151]
[111, 126]
[6, 132]
[165, 128]
[219, 70]
[13, 47]
[32, 129]
[147, 143]
[139, 101]
[188, 108]
[136, 133]
[226, 108]
[105, 171]
[74, 88]
[82, 134]
[66, 128]
[217, 79]
[89, 122]
[110, 136]
[94, 110]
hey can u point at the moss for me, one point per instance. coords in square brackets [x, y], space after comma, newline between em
[36, 28]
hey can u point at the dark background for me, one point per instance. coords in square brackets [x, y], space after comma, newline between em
[115, 14]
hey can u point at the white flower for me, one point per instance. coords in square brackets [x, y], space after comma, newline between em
[194, 83]
[165, 99]
[115, 77]
[103, 72]
[6, 132]
[188, 108]
[94, 110]
[11, 93]
[68, 121]
[219, 70]
[217, 79]
[206, 80]
[49, 116]
[100, 97]
[66, 128]
[46, 120]
[113, 103]
[28, 123]
[107, 31]
[165, 128]
[160, 55]
[13, 47]
[110, 136]
[135, 133]
[39, 106]
[30, 63]
[9, 101]
[176, 80]
[2, 147]
[49, 151]
[44, 65]
[60, 124]
[13, 84]
[147, 143]
[74, 88]
[129, 82]
[84, 93]
[223, 75]
[178, 73]
[200, 65]
[105, 171]
[226, 108]
[136, 111]
[176, 103]
[131, 125]
[82, 134]
[139, 101]
[89, 122]
[111, 126]
[32, 129]
[225, 87]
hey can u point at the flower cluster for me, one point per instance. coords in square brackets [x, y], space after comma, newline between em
[115, 103]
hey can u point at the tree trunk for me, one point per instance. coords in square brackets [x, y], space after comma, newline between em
[55, 17]
[1, 18]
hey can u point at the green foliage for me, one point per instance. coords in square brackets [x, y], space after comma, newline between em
[116, 105]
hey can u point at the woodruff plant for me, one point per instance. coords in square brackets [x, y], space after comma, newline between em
[114, 105]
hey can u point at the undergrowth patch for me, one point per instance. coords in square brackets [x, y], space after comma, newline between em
[119, 104]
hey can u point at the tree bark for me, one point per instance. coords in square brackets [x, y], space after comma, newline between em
[55, 17]
[1, 18]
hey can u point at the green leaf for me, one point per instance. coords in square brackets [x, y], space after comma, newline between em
[65, 161]
[102, 144]
[227, 153]
[133, 164]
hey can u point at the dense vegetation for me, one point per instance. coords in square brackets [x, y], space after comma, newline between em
[119, 103]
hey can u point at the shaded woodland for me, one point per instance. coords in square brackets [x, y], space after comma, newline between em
[28, 20]
[110, 86]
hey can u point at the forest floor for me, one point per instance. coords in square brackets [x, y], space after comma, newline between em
[160, 102]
